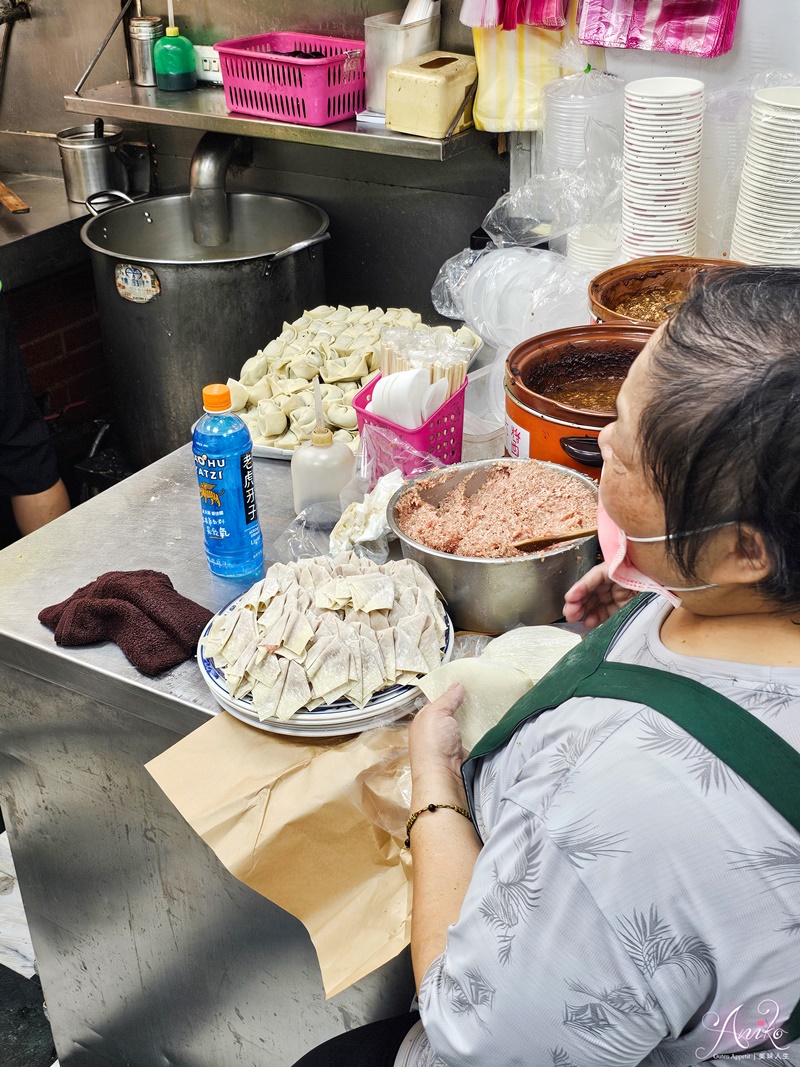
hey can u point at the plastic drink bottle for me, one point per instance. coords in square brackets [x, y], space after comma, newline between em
[222, 449]
[173, 58]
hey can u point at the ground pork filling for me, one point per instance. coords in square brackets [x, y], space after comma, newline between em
[518, 500]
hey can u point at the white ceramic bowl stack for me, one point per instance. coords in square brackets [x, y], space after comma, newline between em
[661, 166]
[766, 228]
[593, 247]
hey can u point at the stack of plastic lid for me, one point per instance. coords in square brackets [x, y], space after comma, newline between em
[567, 106]
[766, 228]
[593, 247]
[719, 186]
[661, 166]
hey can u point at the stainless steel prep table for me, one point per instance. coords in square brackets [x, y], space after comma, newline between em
[150, 952]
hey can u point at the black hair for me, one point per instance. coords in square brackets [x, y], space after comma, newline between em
[720, 435]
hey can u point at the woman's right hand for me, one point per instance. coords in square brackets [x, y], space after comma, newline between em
[595, 598]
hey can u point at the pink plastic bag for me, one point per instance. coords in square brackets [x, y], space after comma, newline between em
[546, 14]
[685, 27]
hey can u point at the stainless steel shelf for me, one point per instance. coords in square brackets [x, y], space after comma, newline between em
[204, 109]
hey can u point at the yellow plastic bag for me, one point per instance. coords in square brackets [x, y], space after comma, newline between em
[513, 65]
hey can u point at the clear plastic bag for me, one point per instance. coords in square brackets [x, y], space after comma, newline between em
[378, 473]
[381, 452]
[363, 527]
[446, 291]
[307, 535]
[511, 294]
[548, 206]
[384, 791]
[570, 103]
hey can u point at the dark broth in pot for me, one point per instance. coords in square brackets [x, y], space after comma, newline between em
[588, 394]
[581, 377]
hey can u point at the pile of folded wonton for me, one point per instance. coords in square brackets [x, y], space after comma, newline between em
[316, 630]
[340, 345]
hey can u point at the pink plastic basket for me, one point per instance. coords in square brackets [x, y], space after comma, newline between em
[440, 436]
[313, 92]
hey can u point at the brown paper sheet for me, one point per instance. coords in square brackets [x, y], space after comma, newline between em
[316, 828]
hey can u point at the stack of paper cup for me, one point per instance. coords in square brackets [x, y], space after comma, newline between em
[661, 166]
[593, 247]
[766, 228]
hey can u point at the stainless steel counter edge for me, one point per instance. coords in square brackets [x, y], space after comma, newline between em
[204, 109]
[103, 685]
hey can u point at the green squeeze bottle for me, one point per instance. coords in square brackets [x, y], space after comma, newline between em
[173, 58]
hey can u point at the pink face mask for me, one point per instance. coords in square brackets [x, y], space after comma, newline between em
[614, 546]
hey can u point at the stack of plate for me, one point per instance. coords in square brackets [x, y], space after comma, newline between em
[327, 720]
[661, 166]
[594, 247]
[766, 228]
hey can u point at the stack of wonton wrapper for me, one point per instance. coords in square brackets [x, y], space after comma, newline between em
[316, 630]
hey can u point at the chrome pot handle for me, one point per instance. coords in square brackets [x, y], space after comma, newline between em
[90, 199]
[290, 251]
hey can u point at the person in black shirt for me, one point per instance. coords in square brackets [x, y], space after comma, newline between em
[28, 468]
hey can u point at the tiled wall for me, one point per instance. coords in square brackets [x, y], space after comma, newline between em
[58, 330]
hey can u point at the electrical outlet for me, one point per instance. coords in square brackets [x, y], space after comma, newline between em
[206, 64]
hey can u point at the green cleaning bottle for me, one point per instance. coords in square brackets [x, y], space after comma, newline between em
[173, 58]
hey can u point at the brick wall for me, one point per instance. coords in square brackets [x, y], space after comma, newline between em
[58, 330]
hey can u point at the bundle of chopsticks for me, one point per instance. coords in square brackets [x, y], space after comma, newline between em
[402, 350]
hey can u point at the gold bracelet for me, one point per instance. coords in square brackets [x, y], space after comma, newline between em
[431, 807]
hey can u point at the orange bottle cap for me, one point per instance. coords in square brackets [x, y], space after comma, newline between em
[216, 398]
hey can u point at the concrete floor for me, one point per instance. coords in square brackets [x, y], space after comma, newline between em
[25, 1038]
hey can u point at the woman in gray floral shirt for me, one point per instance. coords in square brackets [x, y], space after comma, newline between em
[623, 895]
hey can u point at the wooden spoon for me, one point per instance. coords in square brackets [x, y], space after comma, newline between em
[9, 199]
[527, 544]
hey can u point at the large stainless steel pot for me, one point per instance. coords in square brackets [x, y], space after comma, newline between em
[493, 595]
[176, 316]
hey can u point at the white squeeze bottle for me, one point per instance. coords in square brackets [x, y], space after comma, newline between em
[322, 467]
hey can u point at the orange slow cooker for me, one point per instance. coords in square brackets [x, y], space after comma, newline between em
[577, 361]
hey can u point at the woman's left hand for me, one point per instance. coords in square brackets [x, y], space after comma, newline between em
[435, 746]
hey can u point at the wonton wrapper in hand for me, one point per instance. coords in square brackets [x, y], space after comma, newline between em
[490, 690]
[531, 649]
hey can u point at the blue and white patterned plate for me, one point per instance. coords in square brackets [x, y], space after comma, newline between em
[338, 714]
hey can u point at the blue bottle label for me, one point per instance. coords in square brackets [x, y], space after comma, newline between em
[248, 488]
[228, 508]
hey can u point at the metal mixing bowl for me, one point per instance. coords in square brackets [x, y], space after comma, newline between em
[494, 595]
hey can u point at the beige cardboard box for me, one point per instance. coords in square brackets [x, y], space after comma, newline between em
[423, 94]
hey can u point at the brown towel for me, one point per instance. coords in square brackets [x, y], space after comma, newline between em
[141, 611]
